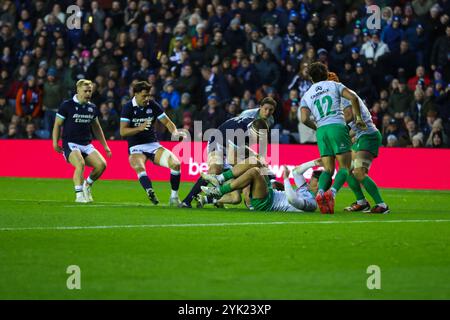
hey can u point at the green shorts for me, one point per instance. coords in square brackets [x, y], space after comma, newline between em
[266, 203]
[368, 142]
[333, 139]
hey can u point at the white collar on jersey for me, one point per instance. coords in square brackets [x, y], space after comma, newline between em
[75, 99]
[134, 102]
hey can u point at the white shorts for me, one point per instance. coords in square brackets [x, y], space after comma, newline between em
[84, 149]
[148, 149]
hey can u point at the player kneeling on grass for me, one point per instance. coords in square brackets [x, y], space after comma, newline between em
[77, 116]
[137, 126]
[262, 195]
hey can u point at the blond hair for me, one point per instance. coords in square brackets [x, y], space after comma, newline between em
[84, 82]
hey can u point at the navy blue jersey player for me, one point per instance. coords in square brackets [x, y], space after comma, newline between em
[78, 118]
[218, 146]
[137, 126]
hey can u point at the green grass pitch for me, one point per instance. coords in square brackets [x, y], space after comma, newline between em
[127, 248]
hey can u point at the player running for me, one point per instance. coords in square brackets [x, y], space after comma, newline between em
[262, 196]
[77, 116]
[256, 119]
[323, 101]
[137, 126]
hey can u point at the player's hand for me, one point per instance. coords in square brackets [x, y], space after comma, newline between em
[145, 125]
[360, 124]
[179, 134]
[108, 152]
[286, 172]
[318, 162]
[57, 148]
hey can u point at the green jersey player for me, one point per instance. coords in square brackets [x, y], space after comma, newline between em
[323, 102]
[365, 150]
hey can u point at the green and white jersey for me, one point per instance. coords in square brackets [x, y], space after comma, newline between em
[366, 116]
[323, 99]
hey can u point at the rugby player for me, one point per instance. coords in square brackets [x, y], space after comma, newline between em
[217, 150]
[364, 151]
[323, 101]
[137, 126]
[262, 196]
[77, 116]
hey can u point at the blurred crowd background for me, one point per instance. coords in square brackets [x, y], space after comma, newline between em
[209, 60]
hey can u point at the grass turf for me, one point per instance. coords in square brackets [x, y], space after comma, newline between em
[243, 255]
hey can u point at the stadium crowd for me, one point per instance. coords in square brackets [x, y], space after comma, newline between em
[209, 60]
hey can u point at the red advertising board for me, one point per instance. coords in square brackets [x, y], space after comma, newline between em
[394, 168]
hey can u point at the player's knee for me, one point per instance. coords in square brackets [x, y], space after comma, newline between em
[102, 166]
[215, 169]
[255, 171]
[80, 164]
[175, 164]
[359, 174]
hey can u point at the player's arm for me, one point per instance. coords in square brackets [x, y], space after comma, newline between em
[127, 131]
[356, 108]
[56, 133]
[348, 114]
[165, 120]
[301, 169]
[98, 133]
[305, 118]
[290, 193]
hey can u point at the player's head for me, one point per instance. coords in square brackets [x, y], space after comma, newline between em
[314, 182]
[267, 107]
[318, 72]
[142, 92]
[258, 130]
[84, 90]
[333, 77]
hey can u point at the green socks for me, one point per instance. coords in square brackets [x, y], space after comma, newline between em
[340, 179]
[372, 189]
[325, 181]
[355, 186]
[227, 175]
[225, 188]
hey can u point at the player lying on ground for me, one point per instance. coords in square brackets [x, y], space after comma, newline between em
[262, 195]
[217, 150]
[234, 154]
[364, 151]
[137, 126]
[77, 116]
[323, 101]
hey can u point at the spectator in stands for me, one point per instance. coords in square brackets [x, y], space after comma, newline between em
[29, 100]
[400, 99]
[212, 114]
[393, 34]
[272, 41]
[439, 55]
[109, 122]
[30, 131]
[420, 107]
[53, 95]
[374, 48]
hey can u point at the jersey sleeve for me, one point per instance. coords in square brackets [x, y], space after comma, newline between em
[158, 111]
[345, 103]
[304, 103]
[340, 87]
[125, 115]
[63, 111]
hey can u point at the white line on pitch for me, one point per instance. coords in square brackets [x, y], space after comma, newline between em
[223, 224]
